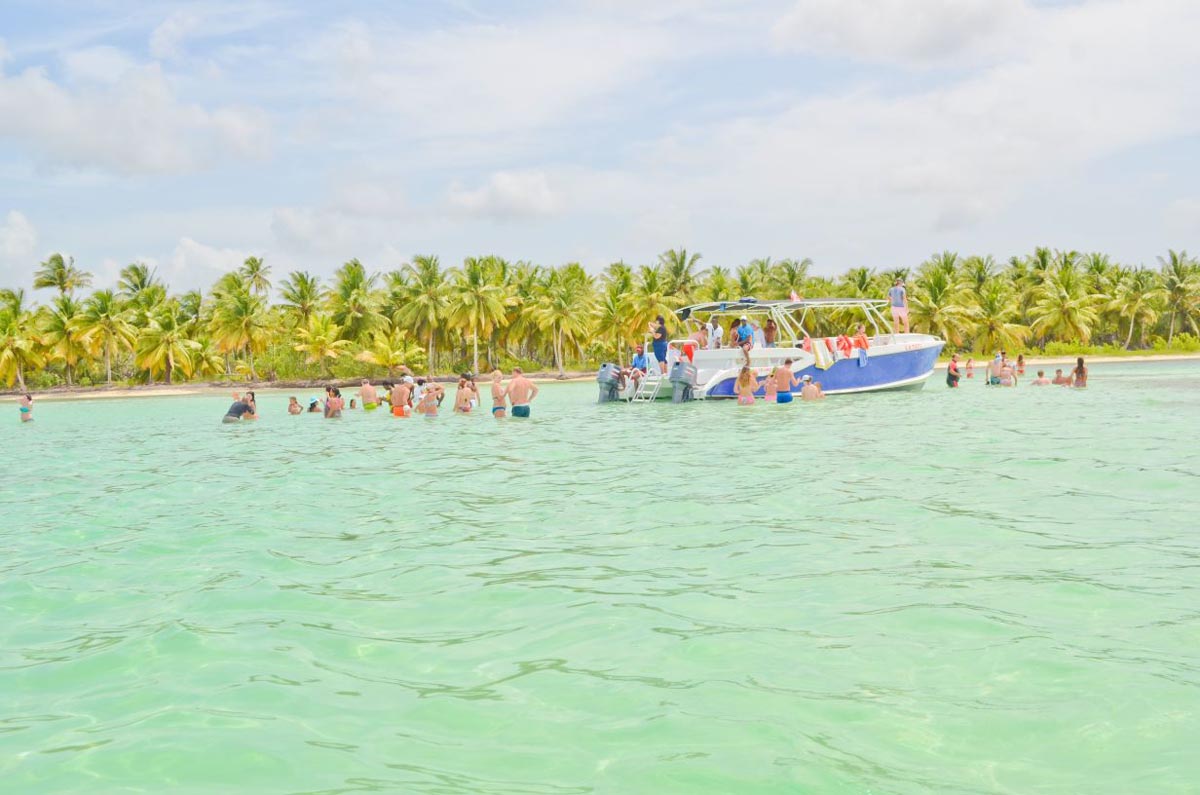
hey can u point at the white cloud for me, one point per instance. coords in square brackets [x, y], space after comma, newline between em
[1183, 215]
[197, 265]
[509, 194]
[17, 238]
[130, 123]
[105, 65]
[901, 30]
[167, 39]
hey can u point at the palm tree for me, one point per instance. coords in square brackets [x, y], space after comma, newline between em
[754, 277]
[20, 341]
[679, 273]
[59, 325]
[60, 274]
[241, 324]
[612, 316]
[788, 276]
[648, 300]
[1062, 306]
[353, 302]
[975, 272]
[719, 286]
[255, 275]
[135, 279]
[564, 308]
[302, 295]
[105, 327]
[995, 314]
[1181, 283]
[164, 346]
[859, 283]
[475, 302]
[391, 348]
[321, 341]
[424, 306]
[935, 304]
[1137, 299]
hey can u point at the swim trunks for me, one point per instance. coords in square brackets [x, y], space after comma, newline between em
[370, 406]
[745, 400]
[783, 397]
[25, 409]
[520, 411]
[497, 408]
[401, 411]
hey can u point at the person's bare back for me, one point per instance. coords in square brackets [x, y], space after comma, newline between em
[521, 392]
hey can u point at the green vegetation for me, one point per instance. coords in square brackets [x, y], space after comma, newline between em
[490, 312]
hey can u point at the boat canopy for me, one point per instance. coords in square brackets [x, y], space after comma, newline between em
[785, 311]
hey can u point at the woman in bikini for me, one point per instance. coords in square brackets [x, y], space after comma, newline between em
[1080, 373]
[499, 395]
[745, 386]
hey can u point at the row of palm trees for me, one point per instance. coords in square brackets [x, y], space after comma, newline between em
[489, 309]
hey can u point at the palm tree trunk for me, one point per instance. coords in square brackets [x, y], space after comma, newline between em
[67, 370]
[430, 357]
[1171, 332]
[21, 377]
[250, 356]
[475, 352]
[1129, 339]
[108, 364]
[558, 355]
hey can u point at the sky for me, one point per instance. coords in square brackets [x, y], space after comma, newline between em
[852, 132]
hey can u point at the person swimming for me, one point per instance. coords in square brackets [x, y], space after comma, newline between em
[25, 407]
[314, 406]
[1060, 379]
[294, 406]
[1041, 379]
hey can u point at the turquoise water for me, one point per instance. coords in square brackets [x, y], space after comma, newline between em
[981, 591]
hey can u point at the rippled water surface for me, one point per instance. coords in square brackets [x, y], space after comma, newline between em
[981, 591]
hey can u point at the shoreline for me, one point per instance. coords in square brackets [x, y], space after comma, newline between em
[572, 376]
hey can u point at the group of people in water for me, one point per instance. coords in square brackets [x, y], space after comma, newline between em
[407, 396]
[1001, 371]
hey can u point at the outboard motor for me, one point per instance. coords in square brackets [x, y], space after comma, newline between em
[683, 381]
[609, 379]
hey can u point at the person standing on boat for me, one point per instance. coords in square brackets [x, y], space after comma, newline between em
[952, 374]
[898, 297]
[770, 332]
[715, 334]
[659, 330]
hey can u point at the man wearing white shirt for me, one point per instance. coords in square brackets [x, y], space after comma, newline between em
[714, 333]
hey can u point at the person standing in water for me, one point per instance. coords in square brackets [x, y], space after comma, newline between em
[952, 374]
[1020, 364]
[1080, 374]
[770, 386]
[242, 409]
[522, 391]
[368, 395]
[785, 382]
[294, 406]
[970, 367]
[462, 396]
[499, 395]
[334, 403]
[1060, 379]
[25, 407]
[810, 391]
[745, 386]
[401, 390]
[1041, 380]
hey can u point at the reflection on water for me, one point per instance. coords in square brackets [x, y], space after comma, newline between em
[980, 591]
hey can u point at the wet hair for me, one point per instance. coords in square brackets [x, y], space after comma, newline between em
[787, 361]
[518, 370]
[420, 382]
[336, 392]
[1041, 373]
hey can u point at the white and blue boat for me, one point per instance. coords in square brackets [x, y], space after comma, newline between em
[889, 361]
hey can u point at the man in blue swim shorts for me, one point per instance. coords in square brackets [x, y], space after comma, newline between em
[785, 381]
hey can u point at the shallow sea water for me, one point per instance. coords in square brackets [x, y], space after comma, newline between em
[980, 591]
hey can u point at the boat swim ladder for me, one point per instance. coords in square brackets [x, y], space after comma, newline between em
[648, 388]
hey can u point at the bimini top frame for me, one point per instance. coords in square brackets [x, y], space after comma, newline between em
[784, 312]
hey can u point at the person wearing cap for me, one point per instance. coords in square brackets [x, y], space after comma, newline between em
[499, 395]
[809, 390]
[745, 337]
[401, 397]
[640, 360]
[659, 344]
[898, 297]
[314, 406]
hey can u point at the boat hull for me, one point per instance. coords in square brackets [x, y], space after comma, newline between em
[900, 369]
